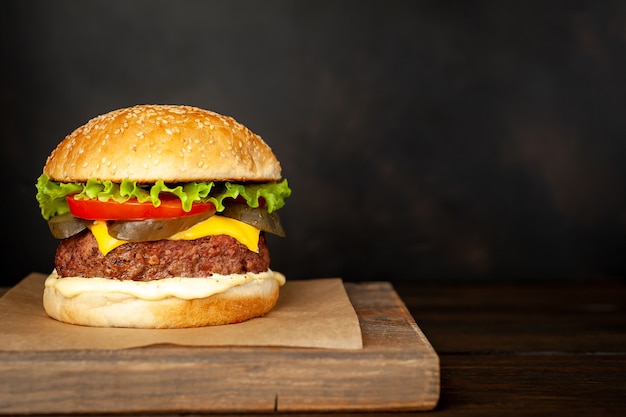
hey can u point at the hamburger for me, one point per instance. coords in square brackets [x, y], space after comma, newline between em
[162, 213]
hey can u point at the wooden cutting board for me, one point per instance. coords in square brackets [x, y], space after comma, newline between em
[397, 370]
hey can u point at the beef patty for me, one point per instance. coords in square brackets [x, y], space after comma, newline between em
[79, 256]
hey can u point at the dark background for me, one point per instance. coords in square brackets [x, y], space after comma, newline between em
[423, 140]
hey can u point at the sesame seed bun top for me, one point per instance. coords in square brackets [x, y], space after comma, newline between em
[172, 143]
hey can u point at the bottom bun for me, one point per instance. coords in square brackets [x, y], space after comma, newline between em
[102, 307]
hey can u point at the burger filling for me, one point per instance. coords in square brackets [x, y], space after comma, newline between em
[53, 196]
[80, 256]
[145, 232]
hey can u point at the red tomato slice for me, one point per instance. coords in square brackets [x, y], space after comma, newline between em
[132, 209]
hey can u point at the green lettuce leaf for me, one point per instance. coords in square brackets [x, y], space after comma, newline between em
[51, 194]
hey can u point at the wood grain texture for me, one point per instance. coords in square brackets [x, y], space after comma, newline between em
[535, 348]
[549, 384]
[397, 370]
[505, 349]
[566, 317]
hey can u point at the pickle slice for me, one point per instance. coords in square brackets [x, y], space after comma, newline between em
[154, 229]
[257, 217]
[66, 225]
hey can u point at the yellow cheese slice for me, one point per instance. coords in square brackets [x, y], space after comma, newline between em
[214, 225]
[106, 242]
[220, 225]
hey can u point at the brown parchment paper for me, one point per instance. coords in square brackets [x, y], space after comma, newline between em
[313, 313]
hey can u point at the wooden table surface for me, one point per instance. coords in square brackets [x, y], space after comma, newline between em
[509, 349]
[525, 349]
